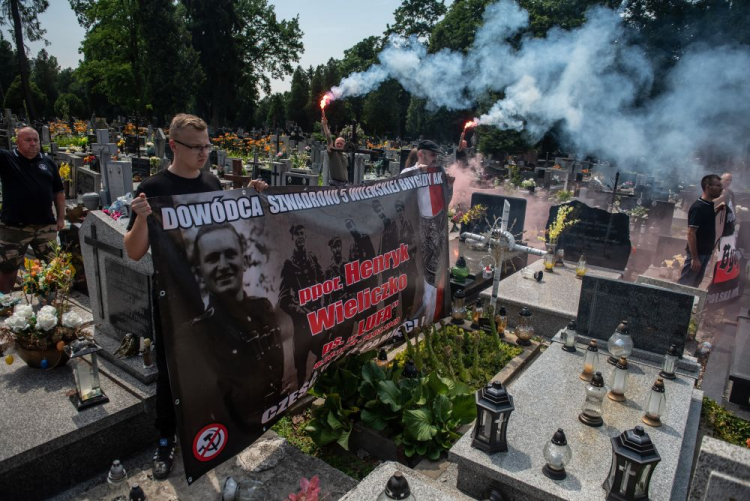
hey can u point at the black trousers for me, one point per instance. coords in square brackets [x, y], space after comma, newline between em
[166, 419]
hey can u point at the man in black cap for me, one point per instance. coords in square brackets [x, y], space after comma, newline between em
[300, 271]
[427, 154]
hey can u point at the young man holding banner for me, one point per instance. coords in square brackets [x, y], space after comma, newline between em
[188, 139]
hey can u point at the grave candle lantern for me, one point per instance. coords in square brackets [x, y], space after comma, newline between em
[382, 360]
[460, 271]
[620, 343]
[524, 329]
[397, 488]
[557, 454]
[634, 458]
[410, 370]
[656, 404]
[569, 337]
[670, 361]
[86, 371]
[591, 414]
[458, 311]
[494, 406]
[501, 321]
[581, 267]
[590, 361]
[549, 261]
[619, 381]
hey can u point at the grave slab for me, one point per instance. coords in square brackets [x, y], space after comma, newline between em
[421, 487]
[548, 396]
[657, 317]
[553, 302]
[494, 204]
[721, 472]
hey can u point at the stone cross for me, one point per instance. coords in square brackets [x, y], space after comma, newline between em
[104, 150]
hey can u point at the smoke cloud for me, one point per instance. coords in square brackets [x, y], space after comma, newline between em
[590, 83]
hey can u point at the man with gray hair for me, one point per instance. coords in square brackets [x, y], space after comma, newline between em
[31, 185]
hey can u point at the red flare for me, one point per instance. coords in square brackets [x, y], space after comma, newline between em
[327, 98]
[471, 124]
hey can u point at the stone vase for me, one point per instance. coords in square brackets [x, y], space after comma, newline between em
[33, 358]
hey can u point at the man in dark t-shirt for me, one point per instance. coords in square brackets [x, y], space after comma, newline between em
[31, 184]
[701, 232]
[337, 162]
[188, 139]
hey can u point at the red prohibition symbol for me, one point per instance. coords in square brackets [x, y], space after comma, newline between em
[209, 442]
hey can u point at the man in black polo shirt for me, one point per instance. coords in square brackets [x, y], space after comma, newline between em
[31, 184]
[701, 232]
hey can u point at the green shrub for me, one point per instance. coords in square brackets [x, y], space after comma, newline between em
[725, 425]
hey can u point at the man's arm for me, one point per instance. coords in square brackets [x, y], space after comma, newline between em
[136, 239]
[327, 132]
[695, 263]
[60, 208]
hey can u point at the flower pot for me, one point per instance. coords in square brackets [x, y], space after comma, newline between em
[33, 358]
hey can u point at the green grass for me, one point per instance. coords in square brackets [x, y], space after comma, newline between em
[293, 429]
[725, 425]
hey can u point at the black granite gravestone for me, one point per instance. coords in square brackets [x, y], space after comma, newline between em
[494, 204]
[657, 317]
[129, 299]
[668, 248]
[141, 167]
[661, 214]
[602, 236]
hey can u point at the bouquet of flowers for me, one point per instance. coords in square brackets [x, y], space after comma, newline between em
[528, 183]
[561, 222]
[64, 171]
[475, 213]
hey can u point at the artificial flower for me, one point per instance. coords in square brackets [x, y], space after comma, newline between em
[46, 321]
[17, 322]
[72, 320]
[23, 310]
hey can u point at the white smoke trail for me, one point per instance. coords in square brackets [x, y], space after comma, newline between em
[590, 83]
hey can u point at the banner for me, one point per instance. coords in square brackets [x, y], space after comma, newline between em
[259, 293]
[726, 283]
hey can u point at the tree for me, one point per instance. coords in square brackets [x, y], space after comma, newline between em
[45, 75]
[16, 100]
[416, 17]
[8, 66]
[25, 21]
[242, 42]
[317, 89]
[299, 97]
[276, 117]
[69, 105]
[381, 113]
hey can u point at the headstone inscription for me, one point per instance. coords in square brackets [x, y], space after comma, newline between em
[602, 236]
[657, 317]
[129, 307]
[141, 168]
[494, 204]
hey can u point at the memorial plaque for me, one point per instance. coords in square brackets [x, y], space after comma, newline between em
[602, 236]
[129, 299]
[657, 317]
[494, 204]
[141, 168]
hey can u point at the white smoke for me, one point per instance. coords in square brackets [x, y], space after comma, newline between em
[590, 83]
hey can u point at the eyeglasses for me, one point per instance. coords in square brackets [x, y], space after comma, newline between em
[197, 148]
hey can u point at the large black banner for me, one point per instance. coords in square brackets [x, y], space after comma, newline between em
[258, 293]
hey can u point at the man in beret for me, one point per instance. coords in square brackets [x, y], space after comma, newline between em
[300, 271]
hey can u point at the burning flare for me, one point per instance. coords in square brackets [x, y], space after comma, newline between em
[471, 124]
[327, 98]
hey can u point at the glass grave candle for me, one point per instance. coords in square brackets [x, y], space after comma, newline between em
[620, 343]
[656, 404]
[557, 454]
[592, 411]
[569, 337]
[670, 362]
[619, 382]
[590, 361]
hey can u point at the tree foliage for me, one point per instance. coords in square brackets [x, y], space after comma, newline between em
[299, 98]
[416, 18]
[45, 74]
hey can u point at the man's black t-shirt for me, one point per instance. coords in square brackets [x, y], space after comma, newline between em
[703, 217]
[29, 188]
[166, 184]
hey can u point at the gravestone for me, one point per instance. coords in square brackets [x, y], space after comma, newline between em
[657, 317]
[494, 204]
[119, 289]
[129, 293]
[141, 167]
[160, 143]
[104, 150]
[45, 135]
[698, 294]
[602, 236]
[120, 178]
[662, 214]
[87, 181]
